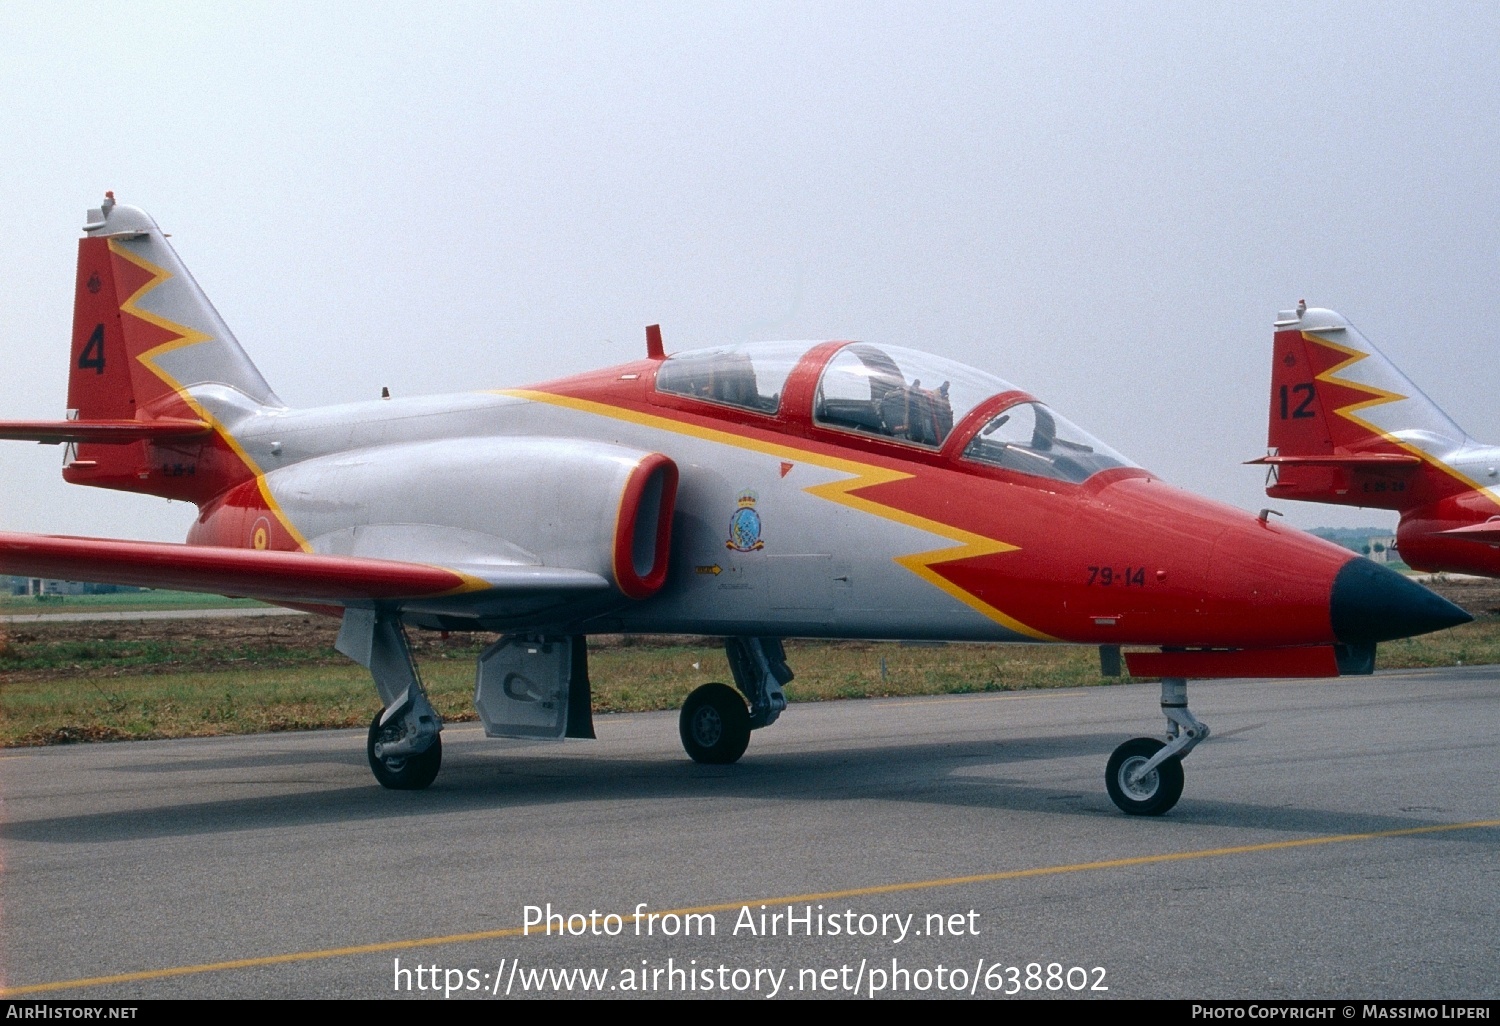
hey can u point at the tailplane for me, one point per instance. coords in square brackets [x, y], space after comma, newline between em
[1346, 426]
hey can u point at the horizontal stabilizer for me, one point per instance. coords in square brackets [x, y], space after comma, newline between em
[1487, 533]
[1381, 460]
[101, 432]
[289, 577]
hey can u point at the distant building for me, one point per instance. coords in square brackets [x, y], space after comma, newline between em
[1374, 543]
[46, 587]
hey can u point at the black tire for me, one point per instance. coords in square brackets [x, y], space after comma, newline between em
[1152, 796]
[404, 772]
[715, 725]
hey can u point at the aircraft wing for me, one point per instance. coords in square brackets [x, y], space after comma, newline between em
[107, 432]
[287, 577]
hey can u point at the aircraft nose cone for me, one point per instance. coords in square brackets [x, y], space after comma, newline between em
[1371, 603]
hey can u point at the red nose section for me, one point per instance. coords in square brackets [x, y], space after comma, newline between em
[1214, 576]
[1147, 564]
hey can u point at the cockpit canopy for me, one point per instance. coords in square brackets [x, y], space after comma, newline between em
[898, 394]
[749, 377]
[880, 390]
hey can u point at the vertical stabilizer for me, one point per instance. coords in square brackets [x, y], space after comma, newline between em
[1332, 389]
[1346, 426]
[173, 337]
[145, 340]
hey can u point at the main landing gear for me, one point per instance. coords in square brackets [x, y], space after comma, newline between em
[1144, 776]
[715, 724]
[401, 772]
[405, 746]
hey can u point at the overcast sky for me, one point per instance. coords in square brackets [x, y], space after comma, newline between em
[1105, 203]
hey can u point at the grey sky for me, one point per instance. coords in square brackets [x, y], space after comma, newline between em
[1105, 203]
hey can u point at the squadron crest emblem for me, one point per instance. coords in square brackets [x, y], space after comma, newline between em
[744, 525]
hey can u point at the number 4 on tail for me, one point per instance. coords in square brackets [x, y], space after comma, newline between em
[93, 353]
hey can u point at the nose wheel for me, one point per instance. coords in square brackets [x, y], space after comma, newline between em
[1144, 775]
[1139, 791]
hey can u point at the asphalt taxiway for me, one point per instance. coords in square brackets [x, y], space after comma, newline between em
[1336, 839]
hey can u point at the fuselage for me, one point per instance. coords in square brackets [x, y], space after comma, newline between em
[1347, 427]
[1467, 498]
[787, 524]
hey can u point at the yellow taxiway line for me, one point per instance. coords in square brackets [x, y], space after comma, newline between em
[853, 892]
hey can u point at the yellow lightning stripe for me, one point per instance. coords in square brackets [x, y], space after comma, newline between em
[1378, 397]
[187, 336]
[920, 563]
[862, 475]
[471, 583]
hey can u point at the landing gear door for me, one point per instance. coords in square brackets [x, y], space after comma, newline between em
[522, 687]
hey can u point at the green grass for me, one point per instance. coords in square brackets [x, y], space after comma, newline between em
[123, 602]
[151, 655]
[1473, 644]
[183, 688]
[104, 703]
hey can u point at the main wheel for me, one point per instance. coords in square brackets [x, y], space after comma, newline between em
[715, 725]
[404, 772]
[1154, 793]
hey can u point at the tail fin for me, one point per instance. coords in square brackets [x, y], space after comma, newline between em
[145, 340]
[1346, 426]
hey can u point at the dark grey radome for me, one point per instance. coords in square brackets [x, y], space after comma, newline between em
[1372, 603]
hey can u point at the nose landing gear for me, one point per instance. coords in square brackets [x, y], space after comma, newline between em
[1144, 775]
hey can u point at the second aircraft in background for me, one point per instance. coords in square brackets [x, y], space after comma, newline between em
[1348, 428]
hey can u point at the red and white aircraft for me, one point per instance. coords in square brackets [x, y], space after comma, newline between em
[1348, 428]
[754, 492]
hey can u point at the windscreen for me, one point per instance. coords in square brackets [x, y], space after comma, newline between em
[1029, 438]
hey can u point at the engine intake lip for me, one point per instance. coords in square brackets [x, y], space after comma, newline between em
[643, 527]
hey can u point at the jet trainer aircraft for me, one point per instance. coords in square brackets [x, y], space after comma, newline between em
[754, 492]
[1348, 428]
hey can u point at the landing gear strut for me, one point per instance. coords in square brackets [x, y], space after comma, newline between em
[715, 724]
[1144, 776]
[404, 747]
